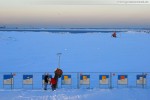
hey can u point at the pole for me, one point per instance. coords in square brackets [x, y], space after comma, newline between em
[59, 62]
[110, 80]
[78, 80]
[143, 80]
[11, 79]
[59, 54]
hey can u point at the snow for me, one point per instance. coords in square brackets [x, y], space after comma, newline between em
[88, 52]
[76, 94]
[129, 52]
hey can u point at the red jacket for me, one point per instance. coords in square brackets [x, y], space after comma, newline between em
[53, 81]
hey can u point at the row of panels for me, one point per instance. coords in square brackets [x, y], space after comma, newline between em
[8, 79]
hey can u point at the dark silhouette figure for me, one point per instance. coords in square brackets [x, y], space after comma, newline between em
[46, 79]
[114, 35]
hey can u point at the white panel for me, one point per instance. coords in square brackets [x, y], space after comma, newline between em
[27, 81]
[141, 81]
[123, 81]
[104, 81]
[8, 81]
[66, 82]
[85, 82]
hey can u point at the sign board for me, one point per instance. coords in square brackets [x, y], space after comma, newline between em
[27, 79]
[84, 79]
[141, 79]
[122, 79]
[66, 79]
[104, 79]
[8, 79]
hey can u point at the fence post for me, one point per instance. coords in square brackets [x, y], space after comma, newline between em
[32, 79]
[110, 80]
[77, 80]
[143, 80]
[11, 80]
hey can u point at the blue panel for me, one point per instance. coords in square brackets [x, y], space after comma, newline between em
[81, 76]
[62, 78]
[119, 76]
[100, 76]
[138, 76]
[50, 76]
[27, 77]
[7, 76]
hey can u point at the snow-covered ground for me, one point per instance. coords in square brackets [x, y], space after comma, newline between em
[76, 94]
[88, 52]
[36, 52]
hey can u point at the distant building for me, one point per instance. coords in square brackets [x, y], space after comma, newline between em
[2, 27]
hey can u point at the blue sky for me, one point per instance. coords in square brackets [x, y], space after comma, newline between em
[79, 13]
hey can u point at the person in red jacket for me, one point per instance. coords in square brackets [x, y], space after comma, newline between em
[53, 83]
[58, 72]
